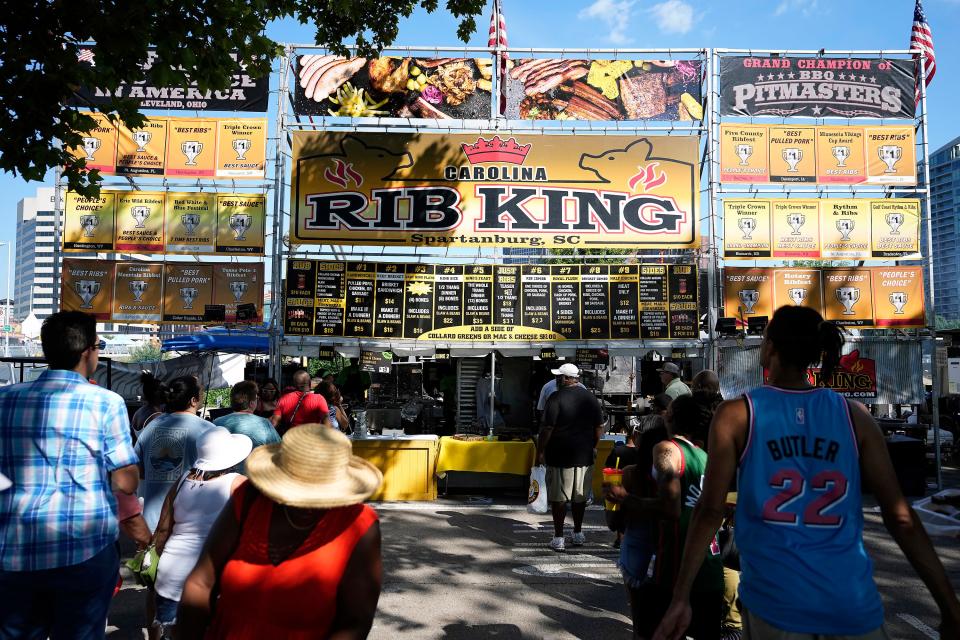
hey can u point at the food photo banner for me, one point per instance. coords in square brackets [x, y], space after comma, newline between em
[177, 148]
[165, 222]
[829, 228]
[863, 297]
[817, 87]
[882, 155]
[564, 89]
[407, 87]
[154, 292]
[491, 302]
[504, 190]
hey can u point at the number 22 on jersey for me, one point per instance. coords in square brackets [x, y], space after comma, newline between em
[829, 487]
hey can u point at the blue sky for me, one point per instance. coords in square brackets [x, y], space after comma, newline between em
[761, 24]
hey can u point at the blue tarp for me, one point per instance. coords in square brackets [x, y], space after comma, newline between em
[248, 340]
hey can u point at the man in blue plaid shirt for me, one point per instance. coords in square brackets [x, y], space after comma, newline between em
[65, 445]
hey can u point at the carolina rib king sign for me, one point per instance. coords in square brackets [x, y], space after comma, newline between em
[439, 190]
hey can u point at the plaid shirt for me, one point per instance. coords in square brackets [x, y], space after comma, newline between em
[59, 436]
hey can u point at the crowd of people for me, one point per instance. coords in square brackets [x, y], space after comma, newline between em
[736, 518]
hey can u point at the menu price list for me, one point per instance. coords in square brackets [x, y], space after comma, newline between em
[575, 302]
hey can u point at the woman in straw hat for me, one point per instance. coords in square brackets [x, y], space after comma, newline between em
[295, 554]
[189, 511]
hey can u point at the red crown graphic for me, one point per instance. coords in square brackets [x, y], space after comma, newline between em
[496, 150]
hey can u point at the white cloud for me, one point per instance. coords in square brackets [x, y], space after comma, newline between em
[673, 16]
[806, 7]
[615, 14]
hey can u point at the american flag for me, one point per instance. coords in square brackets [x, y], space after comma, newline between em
[86, 55]
[921, 39]
[498, 38]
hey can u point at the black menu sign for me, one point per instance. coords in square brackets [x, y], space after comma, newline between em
[491, 302]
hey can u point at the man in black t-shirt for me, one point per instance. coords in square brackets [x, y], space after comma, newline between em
[572, 425]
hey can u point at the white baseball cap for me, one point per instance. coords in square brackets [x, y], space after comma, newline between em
[219, 449]
[569, 369]
[670, 367]
[4, 482]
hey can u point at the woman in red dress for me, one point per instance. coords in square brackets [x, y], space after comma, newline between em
[295, 554]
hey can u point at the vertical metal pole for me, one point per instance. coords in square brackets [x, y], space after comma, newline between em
[493, 387]
[931, 303]
[57, 203]
[279, 193]
[712, 114]
[7, 320]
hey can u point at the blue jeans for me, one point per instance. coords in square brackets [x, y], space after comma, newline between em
[63, 603]
[166, 615]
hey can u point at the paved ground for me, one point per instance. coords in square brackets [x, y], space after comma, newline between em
[467, 569]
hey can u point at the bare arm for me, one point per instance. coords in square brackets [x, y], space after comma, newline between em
[542, 440]
[135, 528]
[275, 420]
[666, 504]
[359, 589]
[125, 479]
[165, 523]
[900, 519]
[727, 437]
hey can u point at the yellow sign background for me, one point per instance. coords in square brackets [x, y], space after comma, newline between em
[746, 167]
[237, 204]
[806, 282]
[542, 174]
[854, 313]
[129, 281]
[880, 143]
[898, 297]
[199, 138]
[760, 303]
[186, 283]
[836, 145]
[836, 217]
[137, 233]
[887, 215]
[224, 291]
[795, 237]
[146, 160]
[105, 156]
[796, 147]
[184, 211]
[97, 234]
[92, 278]
[740, 239]
[244, 159]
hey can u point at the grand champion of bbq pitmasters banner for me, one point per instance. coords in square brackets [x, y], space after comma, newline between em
[491, 302]
[817, 87]
[166, 222]
[244, 94]
[439, 190]
[829, 228]
[154, 292]
[863, 297]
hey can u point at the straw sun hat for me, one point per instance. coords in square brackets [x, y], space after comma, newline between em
[312, 468]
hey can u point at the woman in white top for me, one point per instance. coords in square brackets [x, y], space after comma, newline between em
[189, 511]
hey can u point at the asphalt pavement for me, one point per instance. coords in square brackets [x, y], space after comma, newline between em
[474, 567]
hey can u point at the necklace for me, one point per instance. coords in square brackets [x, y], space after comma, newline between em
[286, 514]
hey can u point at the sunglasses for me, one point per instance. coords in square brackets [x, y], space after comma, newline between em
[99, 346]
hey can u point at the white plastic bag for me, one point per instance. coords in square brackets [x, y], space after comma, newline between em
[537, 494]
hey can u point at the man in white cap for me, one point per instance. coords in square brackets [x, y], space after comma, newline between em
[673, 386]
[572, 426]
[550, 387]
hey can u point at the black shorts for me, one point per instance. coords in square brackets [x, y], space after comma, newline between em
[649, 603]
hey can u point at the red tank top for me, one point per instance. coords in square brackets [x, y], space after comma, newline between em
[296, 599]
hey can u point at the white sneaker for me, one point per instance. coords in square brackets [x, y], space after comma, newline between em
[577, 539]
[557, 544]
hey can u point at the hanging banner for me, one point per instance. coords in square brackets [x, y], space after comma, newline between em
[817, 87]
[847, 298]
[845, 229]
[87, 285]
[191, 148]
[99, 147]
[796, 228]
[757, 154]
[244, 94]
[447, 190]
[139, 226]
[88, 222]
[434, 88]
[896, 227]
[190, 222]
[747, 293]
[241, 223]
[242, 148]
[798, 287]
[141, 152]
[746, 229]
[565, 89]
[491, 302]
[898, 297]
[238, 283]
[138, 292]
[188, 288]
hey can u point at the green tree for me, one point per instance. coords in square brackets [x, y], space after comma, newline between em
[146, 352]
[193, 39]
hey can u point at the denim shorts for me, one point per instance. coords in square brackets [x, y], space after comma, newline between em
[166, 616]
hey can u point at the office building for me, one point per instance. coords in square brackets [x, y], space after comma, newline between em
[33, 272]
[945, 220]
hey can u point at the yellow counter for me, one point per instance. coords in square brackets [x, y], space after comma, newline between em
[485, 456]
[407, 465]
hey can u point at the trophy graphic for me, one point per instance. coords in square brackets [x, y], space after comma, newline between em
[240, 223]
[87, 290]
[890, 155]
[188, 295]
[747, 225]
[845, 227]
[89, 224]
[241, 146]
[138, 288]
[191, 149]
[841, 153]
[899, 300]
[848, 297]
[792, 156]
[238, 288]
[90, 146]
[797, 296]
[142, 138]
[744, 151]
[749, 298]
[796, 222]
[190, 221]
[140, 214]
[895, 221]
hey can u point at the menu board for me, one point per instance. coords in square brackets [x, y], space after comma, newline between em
[491, 302]
[863, 297]
[177, 292]
[757, 153]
